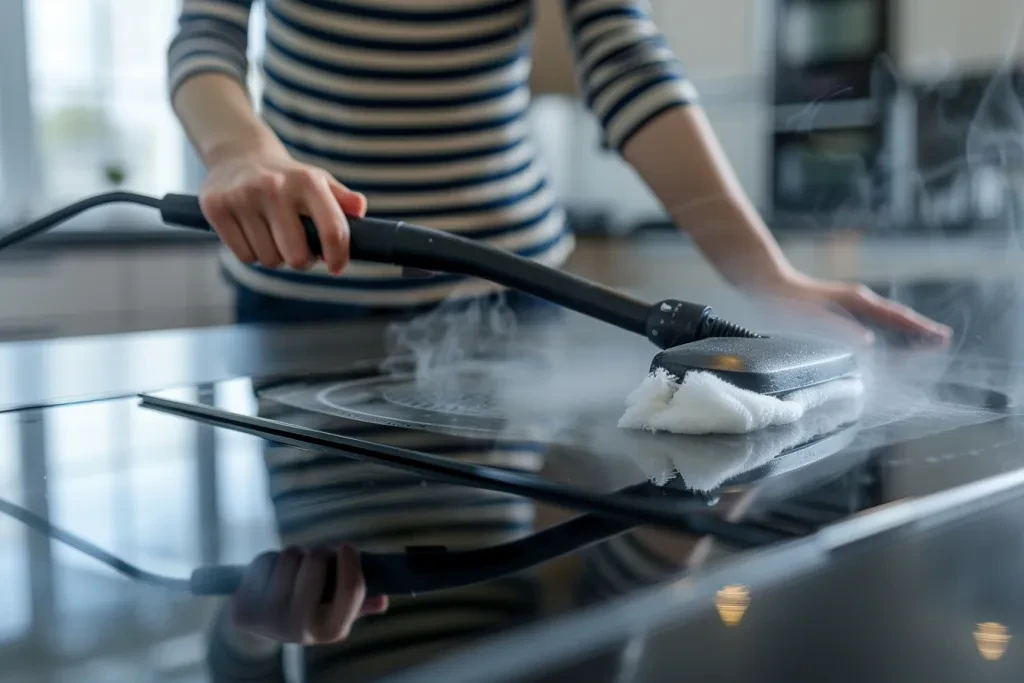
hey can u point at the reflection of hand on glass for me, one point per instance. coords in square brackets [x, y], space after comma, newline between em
[280, 596]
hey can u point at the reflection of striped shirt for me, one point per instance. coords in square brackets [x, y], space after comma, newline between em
[420, 105]
[327, 498]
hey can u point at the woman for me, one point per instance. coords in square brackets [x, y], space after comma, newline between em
[416, 109]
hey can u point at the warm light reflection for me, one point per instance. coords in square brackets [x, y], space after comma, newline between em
[731, 603]
[725, 362]
[992, 640]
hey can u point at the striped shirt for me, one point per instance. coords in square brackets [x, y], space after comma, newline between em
[421, 105]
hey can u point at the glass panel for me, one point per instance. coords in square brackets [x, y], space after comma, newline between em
[15, 599]
[98, 92]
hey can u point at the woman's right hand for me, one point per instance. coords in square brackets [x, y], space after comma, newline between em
[279, 597]
[255, 200]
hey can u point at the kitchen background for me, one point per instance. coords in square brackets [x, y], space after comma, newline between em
[845, 119]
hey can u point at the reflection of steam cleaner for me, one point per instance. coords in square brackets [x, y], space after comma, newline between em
[749, 361]
[692, 339]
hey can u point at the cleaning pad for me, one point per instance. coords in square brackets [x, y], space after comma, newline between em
[705, 404]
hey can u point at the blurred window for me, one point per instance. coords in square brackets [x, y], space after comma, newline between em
[97, 81]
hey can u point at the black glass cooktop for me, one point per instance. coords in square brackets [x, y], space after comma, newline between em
[927, 422]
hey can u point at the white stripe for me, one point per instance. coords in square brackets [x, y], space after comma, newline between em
[656, 59]
[332, 83]
[434, 144]
[631, 28]
[272, 286]
[491, 218]
[459, 197]
[229, 11]
[389, 59]
[439, 172]
[614, 93]
[405, 30]
[191, 43]
[655, 98]
[514, 102]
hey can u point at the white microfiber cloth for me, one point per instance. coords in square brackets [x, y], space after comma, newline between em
[706, 404]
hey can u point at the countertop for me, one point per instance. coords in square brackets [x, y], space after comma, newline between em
[170, 494]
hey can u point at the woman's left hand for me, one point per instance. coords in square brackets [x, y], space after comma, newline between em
[863, 305]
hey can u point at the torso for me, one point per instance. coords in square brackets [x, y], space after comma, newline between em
[421, 105]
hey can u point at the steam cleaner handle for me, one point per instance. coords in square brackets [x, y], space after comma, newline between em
[418, 247]
[226, 579]
[371, 239]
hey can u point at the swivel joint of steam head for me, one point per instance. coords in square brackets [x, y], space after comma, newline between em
[672, 323]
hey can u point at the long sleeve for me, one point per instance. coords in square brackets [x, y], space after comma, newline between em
[627, 73]
[212, 37]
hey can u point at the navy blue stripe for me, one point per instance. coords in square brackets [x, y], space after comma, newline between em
[394, 284]
[451, 504]
[387, 73]
[624, 12]
[651, 43]
[398, 103]
[392, 46]
[633, 95]
[647, 119]
[399, 160]
[439, 16]
[655, 65]
[188, 17]
[463, 209]
[393, 130]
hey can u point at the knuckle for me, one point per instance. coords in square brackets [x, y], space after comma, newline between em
[269, 184]
[862, 291]
[304, 176]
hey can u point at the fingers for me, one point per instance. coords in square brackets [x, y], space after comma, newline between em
[281, 587]
[337, 620]
[256, 208]
[309, 586]
[352, 203]
[257, 233]
[861, 301]
[215, 210]
[280, 594]
[282, 211]
[326, 211]
[247, 604]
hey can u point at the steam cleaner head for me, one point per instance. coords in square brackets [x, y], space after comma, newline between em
[774, 366]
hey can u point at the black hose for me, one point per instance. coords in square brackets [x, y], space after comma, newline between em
[60, 215]
[44, 526]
